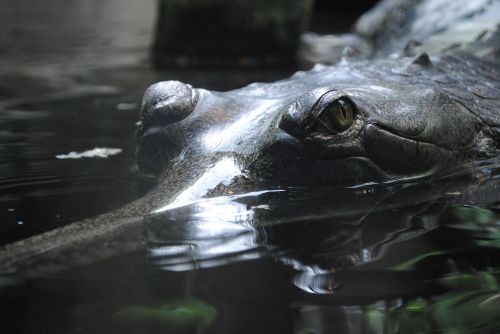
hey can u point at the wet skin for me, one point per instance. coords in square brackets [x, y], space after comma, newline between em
[347, 124]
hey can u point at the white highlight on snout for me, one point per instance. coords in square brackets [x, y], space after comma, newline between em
[229, 135]
[221, 172]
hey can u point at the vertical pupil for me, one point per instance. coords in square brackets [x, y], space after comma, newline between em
[342, 115]
[341, 111]
[337, 117]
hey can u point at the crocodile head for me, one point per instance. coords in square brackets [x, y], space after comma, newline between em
[346, 124]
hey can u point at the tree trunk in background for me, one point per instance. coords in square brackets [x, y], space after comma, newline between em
[236, 33]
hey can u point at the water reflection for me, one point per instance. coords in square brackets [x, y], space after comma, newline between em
[316, 231]
[407, 258]
[404, 258]
[218, 230]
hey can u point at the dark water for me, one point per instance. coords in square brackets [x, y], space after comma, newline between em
[395, 258]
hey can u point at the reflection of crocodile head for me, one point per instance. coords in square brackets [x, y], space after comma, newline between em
[317, 231]
[331, 236]
[354, 122]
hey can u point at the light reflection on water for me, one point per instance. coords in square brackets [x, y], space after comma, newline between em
[390, 257]
[341, 227]
[381, 267]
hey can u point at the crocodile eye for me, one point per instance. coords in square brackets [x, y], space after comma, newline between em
[336, 117]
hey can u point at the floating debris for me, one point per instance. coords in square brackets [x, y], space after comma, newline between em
[96, 152]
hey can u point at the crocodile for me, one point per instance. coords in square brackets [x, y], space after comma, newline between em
[397, 116]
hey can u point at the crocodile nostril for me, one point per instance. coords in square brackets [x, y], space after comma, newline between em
[167, 102]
